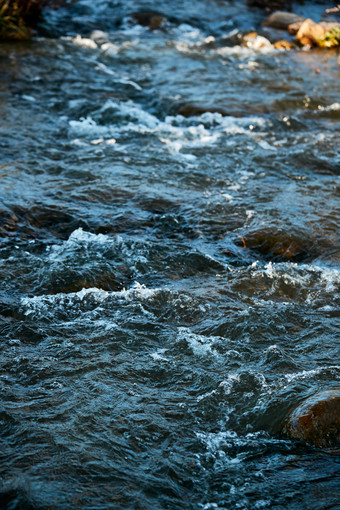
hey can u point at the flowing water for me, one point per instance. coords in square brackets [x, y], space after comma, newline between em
[169, 262]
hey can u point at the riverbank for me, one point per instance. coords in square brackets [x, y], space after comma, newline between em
[19, 19]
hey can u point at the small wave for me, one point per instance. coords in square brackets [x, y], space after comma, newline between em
[39, 305]
[175, 132]
[303, 274]
[311, 283]
[199, 344]
[158, 355]
[312, 374]
[86, 245]
[334, 107]
[244, 52]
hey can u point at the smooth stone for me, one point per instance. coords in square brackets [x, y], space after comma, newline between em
[283, 45]
[316, 420]
[282, 19]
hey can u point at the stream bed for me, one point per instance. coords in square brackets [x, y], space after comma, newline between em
[169, 259]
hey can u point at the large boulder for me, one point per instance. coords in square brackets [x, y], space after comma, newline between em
[316, 420]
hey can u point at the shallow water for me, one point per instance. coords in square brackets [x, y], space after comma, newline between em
[170, 284]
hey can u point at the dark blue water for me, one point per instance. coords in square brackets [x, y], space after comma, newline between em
[170, 276]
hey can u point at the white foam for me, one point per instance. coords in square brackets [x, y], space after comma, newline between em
[258, 43]
[310, 374]
[110, 49]
[40, 304]
[77, 239]
[102, 67]
[199, 344]
[87, 126]
[303, 274]
[333, 107]
[330, 108]
[158, 355]
[28, 98]
[243, 51]
[82, 245]
[84, 42]
[176, 132]
[137, 291]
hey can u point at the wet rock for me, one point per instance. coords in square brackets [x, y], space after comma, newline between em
[277, 246]
[256, 42]
[316, 420]
[8, 222]
[293, 28]
[276, 34]
[311, 33]
[8, 305]
[282, 20]
[194, 109]
[48, 218]
[150, 19]
[33, 221]
[283, 45]
[69, 281]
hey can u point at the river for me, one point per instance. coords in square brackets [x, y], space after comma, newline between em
[169, 262]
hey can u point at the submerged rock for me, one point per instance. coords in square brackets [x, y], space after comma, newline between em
[194, 109]
[316, 420]
[150, 19]
[277, 245]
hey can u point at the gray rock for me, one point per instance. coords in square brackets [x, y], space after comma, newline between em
[282, 20]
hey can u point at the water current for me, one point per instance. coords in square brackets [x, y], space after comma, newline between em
[169, 262]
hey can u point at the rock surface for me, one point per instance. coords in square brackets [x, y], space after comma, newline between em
[283, 45]
[256, 42]
[282, 20]
[152, 20]
[311, 33]
[194, 109]
[278, 245]
[317, 420]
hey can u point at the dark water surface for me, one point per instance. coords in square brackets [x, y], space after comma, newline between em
[170, 283]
